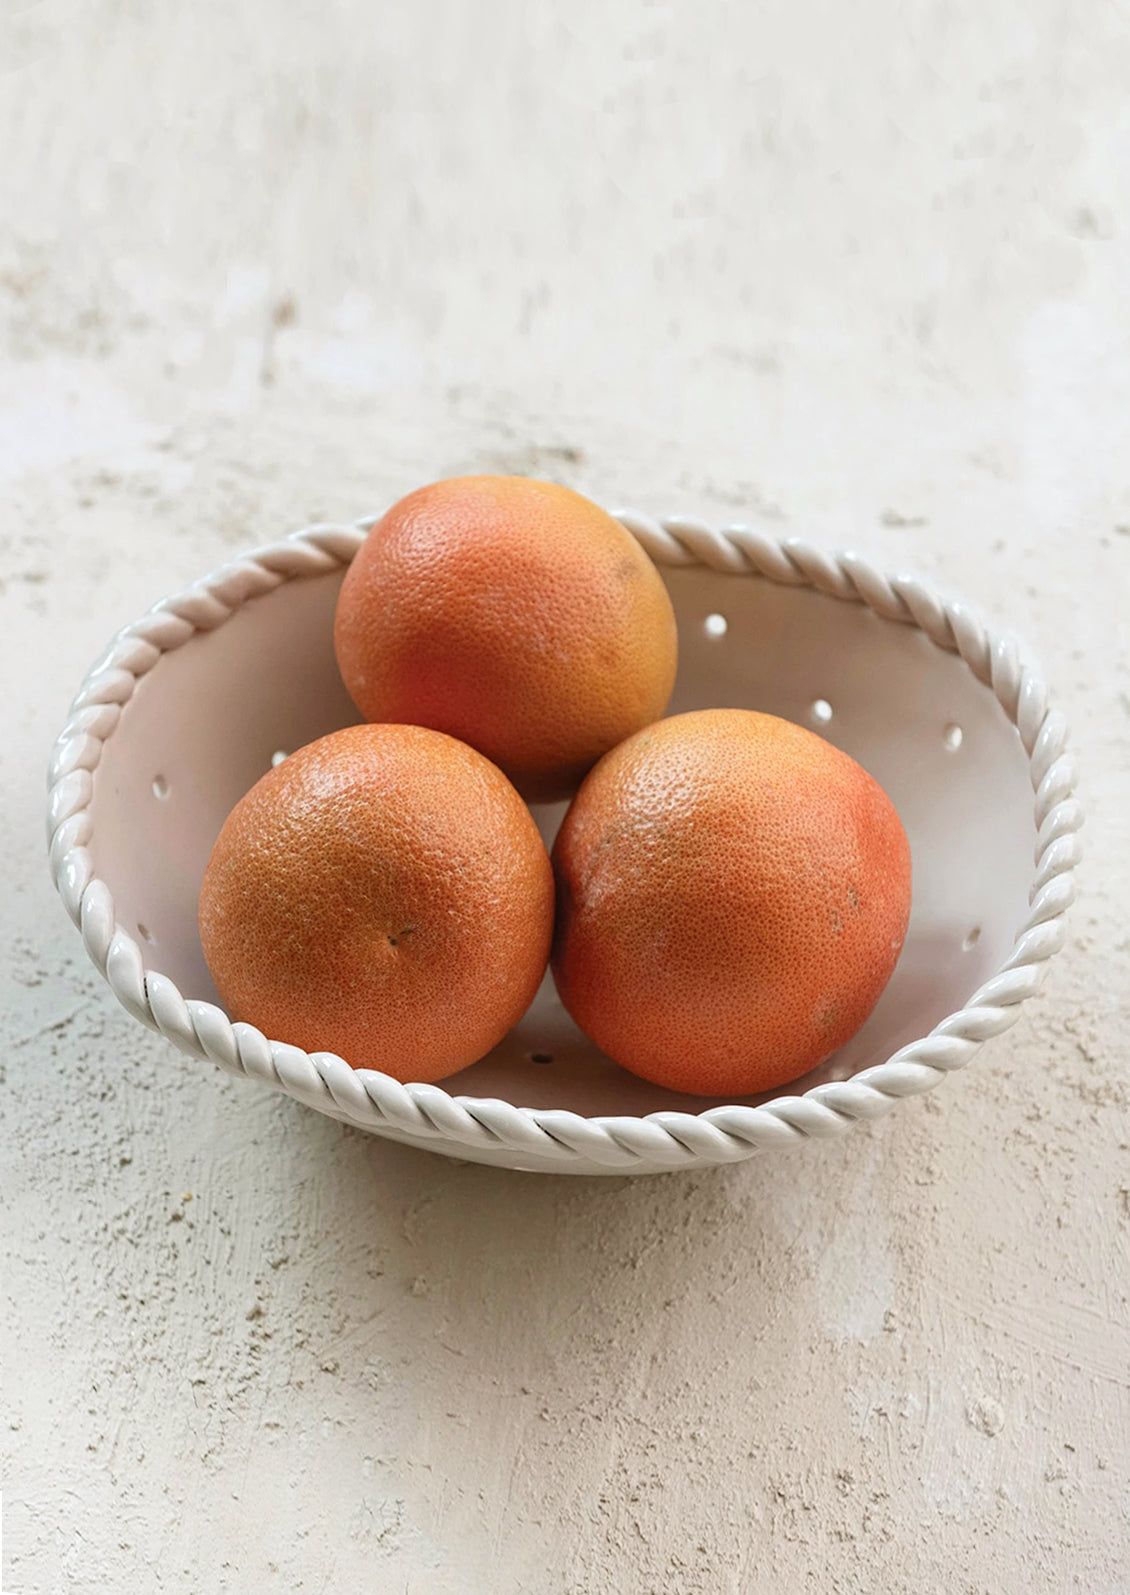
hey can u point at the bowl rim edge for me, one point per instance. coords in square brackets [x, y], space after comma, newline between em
[664, 1139]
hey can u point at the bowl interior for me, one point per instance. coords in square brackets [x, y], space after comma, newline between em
[208, 719]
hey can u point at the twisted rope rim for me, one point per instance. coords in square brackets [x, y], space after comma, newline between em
[427, 1113]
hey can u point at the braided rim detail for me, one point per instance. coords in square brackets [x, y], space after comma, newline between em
[428, 1114]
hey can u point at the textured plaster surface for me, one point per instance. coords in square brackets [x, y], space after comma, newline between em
[857, 272]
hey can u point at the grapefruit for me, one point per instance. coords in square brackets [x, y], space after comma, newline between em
[732, 896]
[513, 614]
[382, 894]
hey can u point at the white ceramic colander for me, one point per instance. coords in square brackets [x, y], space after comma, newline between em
[191, 703]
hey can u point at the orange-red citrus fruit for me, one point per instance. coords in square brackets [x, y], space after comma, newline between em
[382, 894]
[732, 896]
[513, 614]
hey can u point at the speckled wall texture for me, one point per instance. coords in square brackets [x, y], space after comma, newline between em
[855, 271]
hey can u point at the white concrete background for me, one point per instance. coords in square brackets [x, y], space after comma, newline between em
[860, 271]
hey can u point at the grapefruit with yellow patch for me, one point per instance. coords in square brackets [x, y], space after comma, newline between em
[513, 614]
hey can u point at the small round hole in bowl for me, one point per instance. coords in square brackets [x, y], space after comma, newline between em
[715, 625]
[971, 939]
[953, 737]
[541, 1057]
[160, 787]
[146, 934]
[821, 711]
[277, 758]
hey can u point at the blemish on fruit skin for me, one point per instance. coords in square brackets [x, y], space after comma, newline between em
[853, 899]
